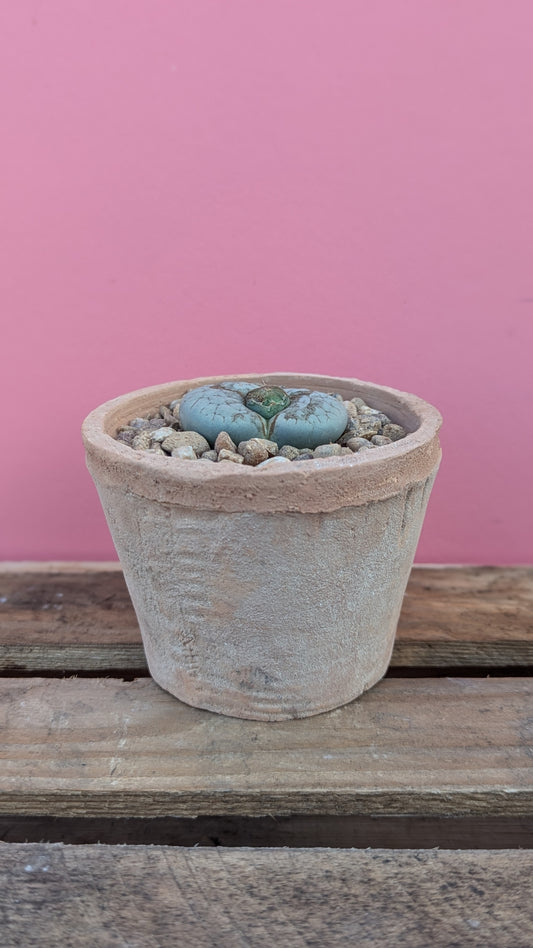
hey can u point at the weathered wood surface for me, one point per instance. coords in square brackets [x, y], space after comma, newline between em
[79, 617]
[453, 616]
[101, 747]
[71, 616]
[139, 896]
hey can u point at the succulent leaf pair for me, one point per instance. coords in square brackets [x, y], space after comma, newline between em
[293, 416]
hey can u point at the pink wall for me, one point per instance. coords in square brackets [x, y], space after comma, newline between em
[203, 186]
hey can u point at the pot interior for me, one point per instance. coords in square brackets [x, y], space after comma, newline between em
[148, 400]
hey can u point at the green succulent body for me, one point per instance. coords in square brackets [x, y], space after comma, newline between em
[293, 416]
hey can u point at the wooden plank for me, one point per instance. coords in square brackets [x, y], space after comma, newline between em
[237, 898]
[78, 617]
[68, 616]
[453, 616]
[94, 747]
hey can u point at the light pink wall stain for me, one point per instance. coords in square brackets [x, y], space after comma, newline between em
[204, 187]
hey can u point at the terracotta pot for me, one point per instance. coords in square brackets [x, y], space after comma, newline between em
[274, 593]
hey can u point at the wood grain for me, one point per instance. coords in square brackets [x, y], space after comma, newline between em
[69, 616]
[139, 896]
[95, 747]
[449, 758]
[79, 617]
[453, 616]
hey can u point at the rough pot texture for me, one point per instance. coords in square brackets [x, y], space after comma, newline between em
[267, 594]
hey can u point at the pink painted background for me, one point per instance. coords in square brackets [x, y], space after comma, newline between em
[205, 187]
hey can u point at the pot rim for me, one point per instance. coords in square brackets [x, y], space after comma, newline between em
[317, 485]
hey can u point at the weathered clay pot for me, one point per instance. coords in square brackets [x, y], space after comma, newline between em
[274, 593]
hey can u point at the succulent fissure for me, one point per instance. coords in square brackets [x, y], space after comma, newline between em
[267, 401]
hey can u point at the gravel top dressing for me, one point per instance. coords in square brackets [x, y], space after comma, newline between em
[166, 431]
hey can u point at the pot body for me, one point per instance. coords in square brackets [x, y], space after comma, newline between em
[269, 613]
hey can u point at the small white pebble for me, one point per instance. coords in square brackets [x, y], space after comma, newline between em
[278, 459]
[161, 433]
[185, 453]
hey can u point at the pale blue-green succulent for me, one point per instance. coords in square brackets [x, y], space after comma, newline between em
[294, 416]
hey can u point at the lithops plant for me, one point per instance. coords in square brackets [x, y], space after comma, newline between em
[294, 416]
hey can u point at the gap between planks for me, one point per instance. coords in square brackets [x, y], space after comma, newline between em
[340, 832]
